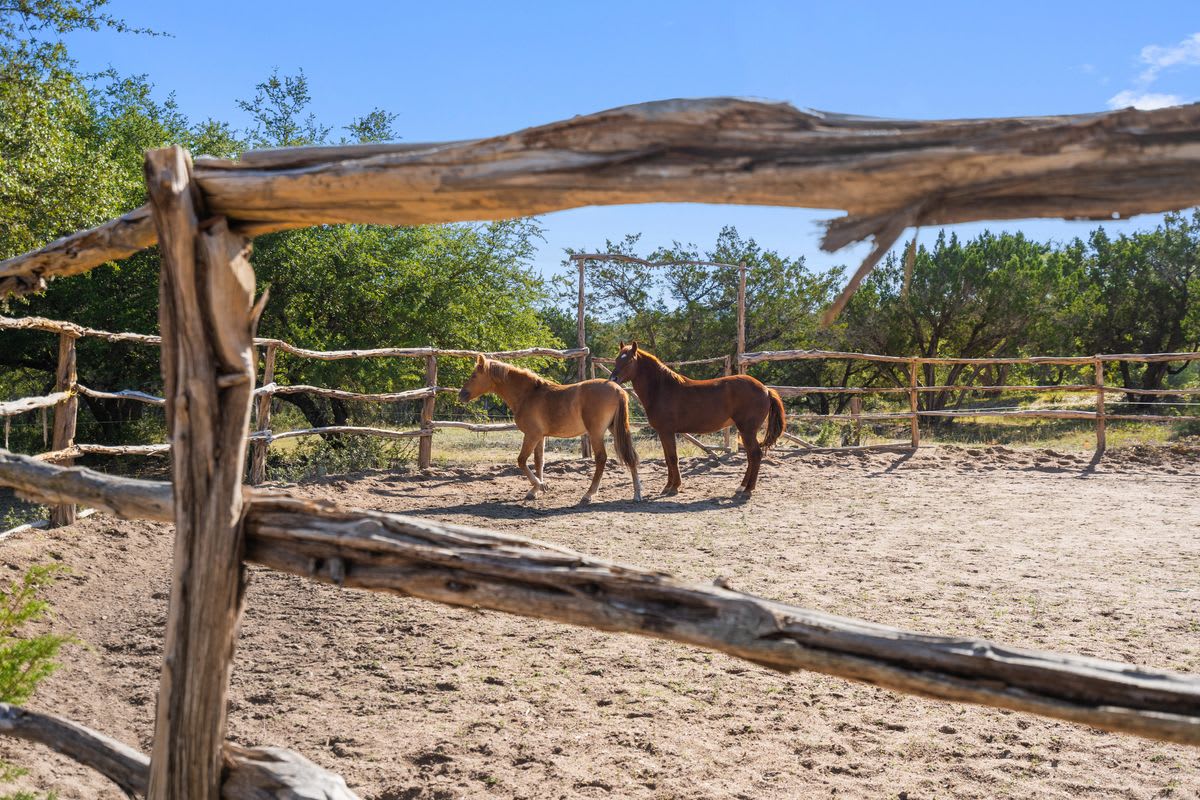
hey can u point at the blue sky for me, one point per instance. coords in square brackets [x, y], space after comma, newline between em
[455, 70]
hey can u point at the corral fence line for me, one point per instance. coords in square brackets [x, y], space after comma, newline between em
[914, 389]
[64, 401]
[888, 175]
[65, 449]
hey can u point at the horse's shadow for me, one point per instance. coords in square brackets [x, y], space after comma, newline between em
[515, 508]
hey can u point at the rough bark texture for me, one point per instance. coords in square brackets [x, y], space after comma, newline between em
[78, 253]
[267, 773]
[888, 175]
[206, 319]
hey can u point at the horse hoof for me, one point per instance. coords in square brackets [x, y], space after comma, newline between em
[741, 494]
[532, 494]
[670, 491]
[585, 500]
[637, 498]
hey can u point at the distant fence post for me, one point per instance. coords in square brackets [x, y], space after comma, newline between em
[855, 410]
[728, 371]
[206, 296]
[65, 419]
[258, 463]
[912, 403]
[425, 446]
[1101, 437]
[741, 315]
[585, 447]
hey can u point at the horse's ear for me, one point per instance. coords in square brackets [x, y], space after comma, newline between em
[479, 360]
[621, 345]
[633, 347]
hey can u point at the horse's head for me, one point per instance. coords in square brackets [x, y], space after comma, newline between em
[626, 365]
[479, 383]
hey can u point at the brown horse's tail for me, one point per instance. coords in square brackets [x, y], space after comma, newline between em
[622, 437]
[775, 420]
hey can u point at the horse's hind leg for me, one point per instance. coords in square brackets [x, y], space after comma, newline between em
[527, 447]
[671, 455]
[754, 455]
[601, 456]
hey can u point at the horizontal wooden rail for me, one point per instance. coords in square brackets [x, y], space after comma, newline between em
[383, 433]
[10, 408]
[422, 352]
[714, 360]
[77, 450]
[124, 394]
[71, 329]
[806, 355]
[794, 391]
[253, 773]
[474, 568]
[888, 175]
[385, 397]
[478, 427]
[654, 264]
[78, 253]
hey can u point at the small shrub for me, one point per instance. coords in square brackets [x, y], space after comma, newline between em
[26, 660]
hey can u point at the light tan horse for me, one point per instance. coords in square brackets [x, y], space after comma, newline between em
[544, 408]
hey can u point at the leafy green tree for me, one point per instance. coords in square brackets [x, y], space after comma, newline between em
[1144, 291]
[983, 298]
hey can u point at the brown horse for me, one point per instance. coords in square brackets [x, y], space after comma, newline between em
[543, 408]
[677, 404]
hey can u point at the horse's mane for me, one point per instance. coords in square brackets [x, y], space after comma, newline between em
[499, 370]
[663, 370]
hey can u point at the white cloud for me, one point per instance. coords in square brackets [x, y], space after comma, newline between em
[1158, 58]
[1143, 100]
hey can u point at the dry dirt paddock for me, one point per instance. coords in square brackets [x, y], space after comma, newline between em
[408, 699]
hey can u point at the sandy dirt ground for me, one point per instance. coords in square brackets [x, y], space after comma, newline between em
[408, 699]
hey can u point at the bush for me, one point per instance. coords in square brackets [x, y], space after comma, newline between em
[26, 660]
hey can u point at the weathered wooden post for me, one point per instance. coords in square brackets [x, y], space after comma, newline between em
[741, 316]
[727, 372]
[258, 463]
[855, 410]
[206, 315]
[585, 447]
[425, 446]
[66, 415]
[913, 405]
[1101, 436]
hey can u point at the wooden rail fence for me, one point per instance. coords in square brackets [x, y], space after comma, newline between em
[888, 174]
[64, 399]
[914, 389]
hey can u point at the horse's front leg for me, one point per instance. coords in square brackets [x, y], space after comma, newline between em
[539, 457]
[527, 447]
[671, 456]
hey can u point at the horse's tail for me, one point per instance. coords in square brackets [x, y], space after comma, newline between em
[622, 437]
[775, 420]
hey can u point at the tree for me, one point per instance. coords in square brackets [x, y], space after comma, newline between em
[987, 297]
[1144, 291]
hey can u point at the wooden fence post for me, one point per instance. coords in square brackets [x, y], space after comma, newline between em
[728, 439]
[1101, 437]
[425, 446]
[855, 410]
[206, 295]
[258, 463]
[741, 316]
[913, 406]
[66, 415]
[585, 447]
